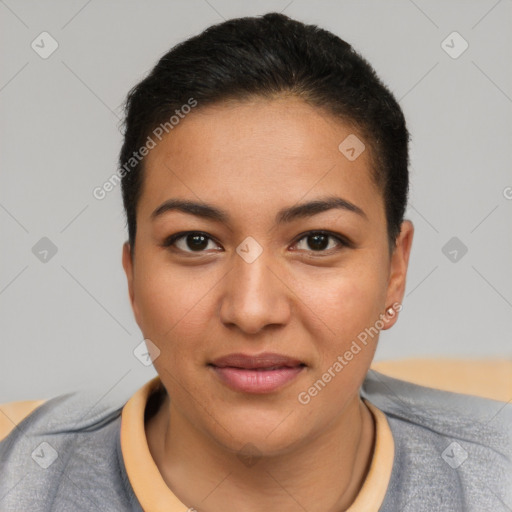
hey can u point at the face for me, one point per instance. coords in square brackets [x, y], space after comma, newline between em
[284, 263]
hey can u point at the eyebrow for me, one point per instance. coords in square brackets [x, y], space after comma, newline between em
[285, 215]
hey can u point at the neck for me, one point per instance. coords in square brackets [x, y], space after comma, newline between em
[322, 474]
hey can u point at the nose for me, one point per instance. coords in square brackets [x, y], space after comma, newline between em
[254, 296]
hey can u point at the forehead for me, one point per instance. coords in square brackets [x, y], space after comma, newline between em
[259, 150]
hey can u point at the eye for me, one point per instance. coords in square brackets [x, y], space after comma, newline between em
[321, 241]
[190, 241]
[198, 242]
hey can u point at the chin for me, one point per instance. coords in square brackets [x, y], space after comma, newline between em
[269, 433]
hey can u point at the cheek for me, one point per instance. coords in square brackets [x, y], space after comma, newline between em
[348, 306]
[172, 304]
[342, 302]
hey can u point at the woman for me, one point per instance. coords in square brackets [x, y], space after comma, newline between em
[264, 176]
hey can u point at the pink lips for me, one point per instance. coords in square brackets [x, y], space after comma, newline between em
[256, 374]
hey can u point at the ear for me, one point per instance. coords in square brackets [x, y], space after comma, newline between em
[128, 265]
[398, 271]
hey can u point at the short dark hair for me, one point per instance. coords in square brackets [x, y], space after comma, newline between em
[265, 56]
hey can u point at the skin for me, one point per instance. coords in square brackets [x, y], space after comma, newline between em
[252, 159]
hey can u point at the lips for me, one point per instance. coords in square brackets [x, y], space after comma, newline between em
[262, 373]
[261, 361]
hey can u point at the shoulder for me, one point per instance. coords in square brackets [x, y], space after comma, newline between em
[59, 449]
[441, 411]
[72, 412]
[451, 450]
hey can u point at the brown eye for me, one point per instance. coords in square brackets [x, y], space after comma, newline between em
[319, 241]
[189, 242]
[196, 242]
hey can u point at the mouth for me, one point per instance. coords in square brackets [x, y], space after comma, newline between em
[263, 373]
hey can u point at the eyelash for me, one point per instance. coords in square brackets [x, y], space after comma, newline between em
[342, 241]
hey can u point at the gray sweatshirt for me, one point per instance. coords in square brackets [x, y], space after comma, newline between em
[453, 453]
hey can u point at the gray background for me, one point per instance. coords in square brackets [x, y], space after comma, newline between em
[67, 324]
